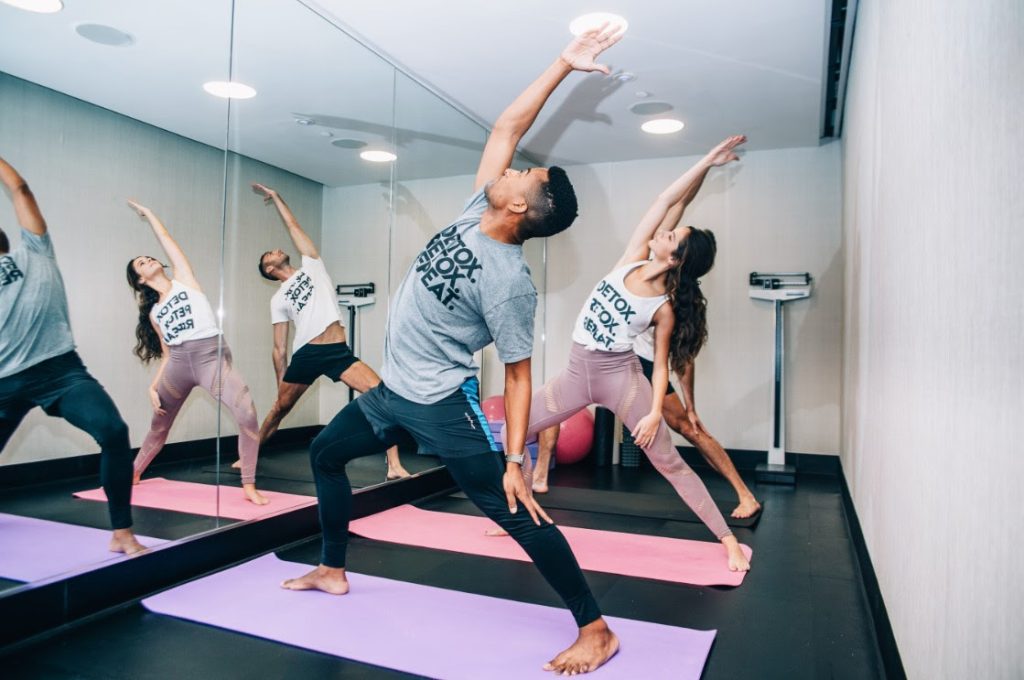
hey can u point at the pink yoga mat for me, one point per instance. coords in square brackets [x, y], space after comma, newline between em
[201, 499]
[424, 630]
[698, 563]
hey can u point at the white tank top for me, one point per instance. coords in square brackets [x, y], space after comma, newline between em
[643, 344]
[612, 316]
[184, 315]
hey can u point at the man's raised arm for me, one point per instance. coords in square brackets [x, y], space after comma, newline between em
[514, 121]
[301, 239]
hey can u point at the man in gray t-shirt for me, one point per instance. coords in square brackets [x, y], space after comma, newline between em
[38, 362]
[468, 287]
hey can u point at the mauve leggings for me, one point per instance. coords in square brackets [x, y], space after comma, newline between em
[194, 364]
[616, 381]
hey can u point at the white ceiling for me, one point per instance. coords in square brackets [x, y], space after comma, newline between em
[759, 73]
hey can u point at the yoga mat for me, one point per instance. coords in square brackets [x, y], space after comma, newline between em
[699, 563]
[421, 629]
[33, 549]
[201, 499]
[656, 506]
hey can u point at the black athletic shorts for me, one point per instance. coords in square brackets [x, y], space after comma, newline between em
[453, 426]
[313, 361]
[648, 368]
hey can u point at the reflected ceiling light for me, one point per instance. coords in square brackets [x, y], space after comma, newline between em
[104, 35]
[378, 156]
[662, 126]
[650, 108]
[305, 121]
[642, 93]
[229, 90]
[587, 22]
[624, 77]
[40, 6]
[349, 143]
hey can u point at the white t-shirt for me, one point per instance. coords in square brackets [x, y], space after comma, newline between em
[612, 316]
[306, 297]
[184, 315]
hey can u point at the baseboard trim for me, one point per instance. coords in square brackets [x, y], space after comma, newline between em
[884, 637]
[747, 460]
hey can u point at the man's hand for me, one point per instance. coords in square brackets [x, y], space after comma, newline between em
[645, 430]
[143, 211]
[582, 52]
[724, 152]
[516, 489]
[266, 192]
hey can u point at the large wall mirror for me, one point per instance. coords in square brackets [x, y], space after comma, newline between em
[330, 173]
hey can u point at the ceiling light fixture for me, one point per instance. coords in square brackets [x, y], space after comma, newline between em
[40, 6]
[229, 90]
[104, 35]
[650, 107]
[378, 156]
[662, 126]
[588, 22]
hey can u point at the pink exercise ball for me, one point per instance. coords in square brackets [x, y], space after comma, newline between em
[575, 437]
[494, 408]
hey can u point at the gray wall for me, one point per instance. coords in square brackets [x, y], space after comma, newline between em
[933, 376]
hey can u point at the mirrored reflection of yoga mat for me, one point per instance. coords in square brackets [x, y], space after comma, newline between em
[700, 563]
[657, 506]
[32, 549]
[201, 499]
[421, 629]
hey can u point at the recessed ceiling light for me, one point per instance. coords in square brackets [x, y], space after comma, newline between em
[624, 77]
[229, 90]
[662, 126]
[642, 94]
[378, 156]
[650, 108]
[305, 121]
[587, 22]
[346, 143]
[104, 35]
[41, 6]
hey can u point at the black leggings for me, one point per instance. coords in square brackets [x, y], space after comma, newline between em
[350, 435]
[64, 389]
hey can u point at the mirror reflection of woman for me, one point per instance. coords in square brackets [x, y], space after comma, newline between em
[177, 325]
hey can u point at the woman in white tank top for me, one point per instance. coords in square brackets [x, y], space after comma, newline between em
[177, 325]
[654, 283]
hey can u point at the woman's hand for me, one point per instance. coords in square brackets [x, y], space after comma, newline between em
[143, 211]
[645, 430]
[154, 399]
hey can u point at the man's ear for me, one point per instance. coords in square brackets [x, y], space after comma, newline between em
[518, 205]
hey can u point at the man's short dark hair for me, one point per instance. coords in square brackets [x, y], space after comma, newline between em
[5, 245]
[554, 209]
[263, 272]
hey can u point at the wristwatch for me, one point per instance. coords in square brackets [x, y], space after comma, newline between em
[514, 458]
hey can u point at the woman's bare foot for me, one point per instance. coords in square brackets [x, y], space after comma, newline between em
[540, 484]
[737, 560]
[397, 472]
[237, 464]
[124, 541]
[253, 495]
[595, 645]
[328, 579]
[748, 507]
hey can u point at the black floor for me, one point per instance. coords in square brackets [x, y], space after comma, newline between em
[800, 613]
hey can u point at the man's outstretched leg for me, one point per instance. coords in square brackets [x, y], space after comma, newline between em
[287, 396]
[348, 436]
[480, 477]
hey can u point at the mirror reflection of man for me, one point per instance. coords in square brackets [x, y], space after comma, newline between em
[306, 298]
[38, 362]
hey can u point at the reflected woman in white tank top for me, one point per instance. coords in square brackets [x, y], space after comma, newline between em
[177, 325]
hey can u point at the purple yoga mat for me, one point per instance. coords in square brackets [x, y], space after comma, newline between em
[421, 629]
[33, 549]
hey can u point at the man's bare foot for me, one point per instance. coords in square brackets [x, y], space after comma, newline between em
[595, 645]
[540, 484]
[497, 531]
[253, 495]
[748, 507]
[737, 560]
[398, 472]
[136, 479]
[237, 464]
[328, 579]
[124, 541]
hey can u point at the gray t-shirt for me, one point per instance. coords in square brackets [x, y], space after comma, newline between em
[33, 306]
[464, 291]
